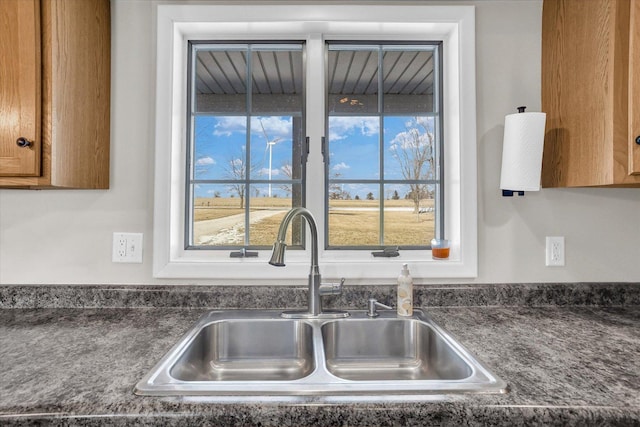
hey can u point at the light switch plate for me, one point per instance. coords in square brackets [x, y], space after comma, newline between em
[127, 247]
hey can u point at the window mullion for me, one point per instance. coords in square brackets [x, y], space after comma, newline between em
[381, 141]
[189, 189]
[247, 160]
[438, 129]
[315, 102]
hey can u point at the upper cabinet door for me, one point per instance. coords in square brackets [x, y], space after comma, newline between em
[20, 88]
[634, 91]
[590, 93]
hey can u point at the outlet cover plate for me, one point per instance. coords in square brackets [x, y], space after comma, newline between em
[554, 251]
[127, 247]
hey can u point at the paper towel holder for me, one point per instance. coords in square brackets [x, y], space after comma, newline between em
[509, 193]
[528, 134]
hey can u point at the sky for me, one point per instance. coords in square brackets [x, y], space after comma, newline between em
[221, 141]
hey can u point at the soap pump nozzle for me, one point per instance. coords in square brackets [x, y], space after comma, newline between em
[405, 269]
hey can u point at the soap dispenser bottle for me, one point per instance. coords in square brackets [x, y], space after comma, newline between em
[405, 292]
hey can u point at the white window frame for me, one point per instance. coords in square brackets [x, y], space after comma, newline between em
[454, 25]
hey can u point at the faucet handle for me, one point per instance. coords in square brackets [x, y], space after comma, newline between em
[373, 305]
[331, 288]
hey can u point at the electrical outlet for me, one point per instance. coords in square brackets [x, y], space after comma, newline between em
[127, 247]
[555, 251]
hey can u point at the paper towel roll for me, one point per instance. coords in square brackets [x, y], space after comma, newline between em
[522, 151]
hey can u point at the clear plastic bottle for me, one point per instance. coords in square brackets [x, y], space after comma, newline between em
[405, 292]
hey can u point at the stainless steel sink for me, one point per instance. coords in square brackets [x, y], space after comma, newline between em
[236, 353]
[247, 350]
[390, 349]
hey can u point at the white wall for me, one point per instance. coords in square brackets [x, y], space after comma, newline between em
[65, 236]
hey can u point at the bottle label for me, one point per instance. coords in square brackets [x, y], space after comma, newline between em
[405, 302]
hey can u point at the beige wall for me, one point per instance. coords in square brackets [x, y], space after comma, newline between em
[65, 236]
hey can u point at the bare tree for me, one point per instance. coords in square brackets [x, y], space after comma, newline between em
[236, 170]
[414, 151]
[336, 190]
[287, 171]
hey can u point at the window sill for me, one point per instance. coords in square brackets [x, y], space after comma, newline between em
[361, 271]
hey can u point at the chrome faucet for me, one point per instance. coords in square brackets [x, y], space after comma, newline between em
[316, 287]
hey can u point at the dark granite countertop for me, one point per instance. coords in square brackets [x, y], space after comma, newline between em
[566, 364]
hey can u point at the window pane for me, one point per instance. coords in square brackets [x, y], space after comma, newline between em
[219, 147]
[267, 214]
[354, 216]
[220, 79]
[276, 80]
[402, 162]
[354, 147]
[272, 148]
[409, 220]
[408, 76]
[409, 148]
[218, 215]
[353, 81]
[247, 169]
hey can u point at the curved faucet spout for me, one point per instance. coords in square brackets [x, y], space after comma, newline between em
[316, 289]
[277, 257]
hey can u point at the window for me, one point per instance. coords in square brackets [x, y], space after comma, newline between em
[384, 147]
[246, 157]
[265, 156]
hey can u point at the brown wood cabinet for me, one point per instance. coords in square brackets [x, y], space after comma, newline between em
[55, 93]
[591, 92]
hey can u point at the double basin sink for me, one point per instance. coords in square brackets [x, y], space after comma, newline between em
[259, 353]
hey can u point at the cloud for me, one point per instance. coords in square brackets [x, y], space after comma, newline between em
[411, 139]
[341, 166]
[342, 127]
[277, 128]
[265, 172]
[205, 161]
[225, 126]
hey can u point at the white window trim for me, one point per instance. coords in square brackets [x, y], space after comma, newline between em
[454, 25]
